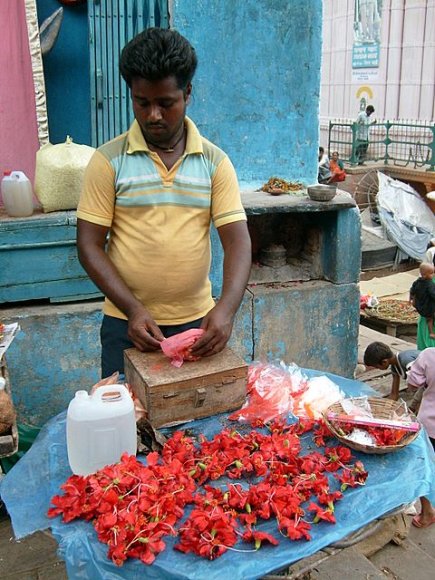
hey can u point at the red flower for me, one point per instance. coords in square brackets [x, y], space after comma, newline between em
[322, 514]
[258, 537]
[313, 463]
[338, 457]
[72, 504]
[351, 477]
[320, 433]
[207, 534]
[294, 528]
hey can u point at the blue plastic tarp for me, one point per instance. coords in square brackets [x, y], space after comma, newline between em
[394, 479]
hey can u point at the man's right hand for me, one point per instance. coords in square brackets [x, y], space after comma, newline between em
[143, 331]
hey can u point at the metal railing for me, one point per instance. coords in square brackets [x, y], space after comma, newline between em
[400, 143]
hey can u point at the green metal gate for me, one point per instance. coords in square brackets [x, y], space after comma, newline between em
[112, 23]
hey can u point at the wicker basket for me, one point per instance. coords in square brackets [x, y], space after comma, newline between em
[381, 409]
[398, 311]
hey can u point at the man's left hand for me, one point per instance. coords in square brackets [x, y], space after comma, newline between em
[218, 325]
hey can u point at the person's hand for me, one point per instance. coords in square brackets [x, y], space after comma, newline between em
[143, 331]
[218, 324]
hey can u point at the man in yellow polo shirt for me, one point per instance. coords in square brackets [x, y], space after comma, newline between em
[155, 190]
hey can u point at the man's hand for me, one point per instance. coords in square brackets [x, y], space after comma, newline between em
[218, 325]
[143, 331]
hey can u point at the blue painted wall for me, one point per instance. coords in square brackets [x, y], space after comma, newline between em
[256, 91]
[258, 99]
[66, 72]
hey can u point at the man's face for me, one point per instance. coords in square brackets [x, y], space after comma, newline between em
[159, 108]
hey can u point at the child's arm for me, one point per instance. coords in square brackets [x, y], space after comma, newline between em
[411, 295]
[395, 385]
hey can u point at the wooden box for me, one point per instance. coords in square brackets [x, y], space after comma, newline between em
[197, 389]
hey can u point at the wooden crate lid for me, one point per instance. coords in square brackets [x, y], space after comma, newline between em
[156, 369]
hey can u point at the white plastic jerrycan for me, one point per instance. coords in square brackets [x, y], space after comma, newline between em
[100, 428]
[17, 194]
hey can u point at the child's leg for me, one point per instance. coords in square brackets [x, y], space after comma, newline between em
[429, 321]
[427, 515]
[414, 405]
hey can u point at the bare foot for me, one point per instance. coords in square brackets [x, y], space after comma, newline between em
[421, 521]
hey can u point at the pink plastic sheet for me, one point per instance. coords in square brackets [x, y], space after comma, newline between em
[18, 127]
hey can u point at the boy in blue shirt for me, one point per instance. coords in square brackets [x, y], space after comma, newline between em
[380, 356]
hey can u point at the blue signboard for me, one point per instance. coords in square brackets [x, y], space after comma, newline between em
[365, 55]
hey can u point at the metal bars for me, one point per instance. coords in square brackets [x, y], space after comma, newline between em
[112, 23]
[401, 143]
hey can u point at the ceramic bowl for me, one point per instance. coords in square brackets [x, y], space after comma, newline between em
[321, 192]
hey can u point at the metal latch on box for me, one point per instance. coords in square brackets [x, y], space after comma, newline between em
[200, 395]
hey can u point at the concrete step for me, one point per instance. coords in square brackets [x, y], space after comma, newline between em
[424, 538]
[405, 562]
[32, 558]
[348, 564]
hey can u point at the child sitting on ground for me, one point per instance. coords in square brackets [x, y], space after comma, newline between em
[380, 356]
[422, 295]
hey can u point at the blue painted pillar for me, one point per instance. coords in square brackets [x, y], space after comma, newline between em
[256, 90]
[341, 246]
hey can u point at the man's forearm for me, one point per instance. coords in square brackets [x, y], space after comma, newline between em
[395, 387]
[236, 270]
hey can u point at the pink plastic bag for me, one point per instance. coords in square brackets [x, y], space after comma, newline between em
[178, 347]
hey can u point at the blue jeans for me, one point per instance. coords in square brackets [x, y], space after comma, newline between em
[114, 340]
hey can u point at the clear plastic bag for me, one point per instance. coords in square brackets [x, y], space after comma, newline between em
[272, 390]
[321, 392]
[278, 389]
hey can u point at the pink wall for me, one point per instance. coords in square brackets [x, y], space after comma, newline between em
[402, 86]
[18, 128]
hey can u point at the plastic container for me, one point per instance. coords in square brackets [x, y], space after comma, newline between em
[17, 194]
[100, 428]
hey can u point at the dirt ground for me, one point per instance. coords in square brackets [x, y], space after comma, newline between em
[402, 267]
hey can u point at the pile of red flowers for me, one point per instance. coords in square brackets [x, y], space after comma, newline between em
[134, 506]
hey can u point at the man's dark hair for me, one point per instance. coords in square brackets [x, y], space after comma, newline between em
[321, 150]
[370, 109]
[157, 53]
[376, 352]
